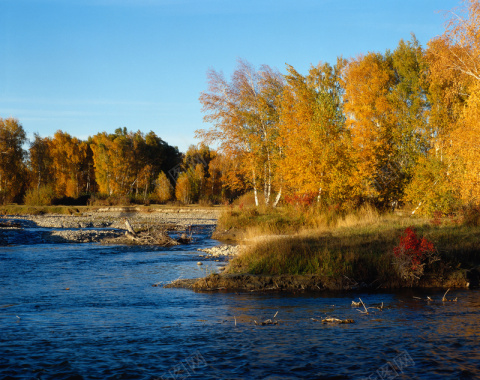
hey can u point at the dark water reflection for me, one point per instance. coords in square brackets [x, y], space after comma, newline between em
[113, 324]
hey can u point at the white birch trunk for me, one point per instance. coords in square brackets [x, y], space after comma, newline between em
[269, 185]
[319, 196]
[416, 208]
[255, 187]
[277, 199]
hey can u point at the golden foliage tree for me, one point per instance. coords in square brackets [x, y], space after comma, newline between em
[69, 159]
[244, 114]
[183, 188]
[12, 154]
[386, 108]
[454, 59]
[41, 163]
[163, 188]
[313, 140]
[368, 80]
[128, 163]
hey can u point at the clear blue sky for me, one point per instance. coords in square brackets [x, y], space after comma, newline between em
[86, 66]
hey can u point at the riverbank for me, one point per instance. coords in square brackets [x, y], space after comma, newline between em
[344, 252]
[293, 283]
[103, 225]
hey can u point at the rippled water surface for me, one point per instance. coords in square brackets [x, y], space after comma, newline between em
[112, 323]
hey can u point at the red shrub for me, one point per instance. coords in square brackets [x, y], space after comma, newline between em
[412, 254]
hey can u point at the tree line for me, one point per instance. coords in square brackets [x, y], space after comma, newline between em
[383, 128]
[117, 167]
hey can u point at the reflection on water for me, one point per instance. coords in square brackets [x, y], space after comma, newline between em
[112, 323]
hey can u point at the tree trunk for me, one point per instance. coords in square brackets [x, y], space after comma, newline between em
[255, 187]
[319, 196]
[277, 199]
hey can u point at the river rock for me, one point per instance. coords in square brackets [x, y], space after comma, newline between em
[223, 250]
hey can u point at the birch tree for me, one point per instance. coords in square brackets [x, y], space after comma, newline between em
[313, 138]
[244, 114]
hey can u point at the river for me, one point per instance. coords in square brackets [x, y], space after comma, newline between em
[86, 311]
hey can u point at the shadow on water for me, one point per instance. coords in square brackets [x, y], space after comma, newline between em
[91, 311]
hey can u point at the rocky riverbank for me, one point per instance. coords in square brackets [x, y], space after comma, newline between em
[102, 226]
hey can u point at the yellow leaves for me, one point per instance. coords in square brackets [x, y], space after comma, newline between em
[183, 189]
[312, 137]
[68, 155]
[244, 114]
[465, 149]
[12, 167]
[163, 188]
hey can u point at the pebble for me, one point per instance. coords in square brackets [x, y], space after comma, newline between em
[223, 250]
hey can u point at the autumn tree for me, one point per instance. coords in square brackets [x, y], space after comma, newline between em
[40, 162]
[457, 54]
[449, 173]
[244, 114]
[163, 188]
[386, 107]
[183, 188]
[128, 163]
[12, 154]
[313, 140]
[70, 165]
[368, 81]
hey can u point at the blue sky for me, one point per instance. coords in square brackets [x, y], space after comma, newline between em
[86, 66]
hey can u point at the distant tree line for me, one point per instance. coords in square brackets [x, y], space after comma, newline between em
[119, 167]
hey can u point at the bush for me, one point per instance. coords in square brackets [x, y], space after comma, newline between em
[471, 215]
[42, 196]
[412, 255]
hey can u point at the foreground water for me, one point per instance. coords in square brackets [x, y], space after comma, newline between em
[91, 312]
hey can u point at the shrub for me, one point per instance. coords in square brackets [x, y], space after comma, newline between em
[41, 196]
[412, 255]
[471, 215]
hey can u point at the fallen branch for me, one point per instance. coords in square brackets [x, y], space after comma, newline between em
[443, 298]
[333, 320]
[268, 321]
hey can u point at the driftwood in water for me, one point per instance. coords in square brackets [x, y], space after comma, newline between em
[334, 320]
[153, 236]
[266, 322]
[129, 228]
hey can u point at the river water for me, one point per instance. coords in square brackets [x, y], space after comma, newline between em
[86, 311]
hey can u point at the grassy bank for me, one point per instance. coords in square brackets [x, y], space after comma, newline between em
[357, 247]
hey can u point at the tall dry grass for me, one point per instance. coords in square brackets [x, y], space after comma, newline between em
[358, 245]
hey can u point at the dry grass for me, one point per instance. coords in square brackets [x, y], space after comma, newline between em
[357, 245]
